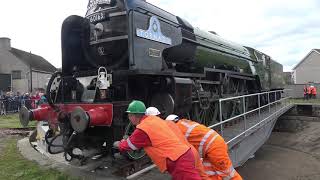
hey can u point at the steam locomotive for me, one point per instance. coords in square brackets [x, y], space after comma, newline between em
[130, 49]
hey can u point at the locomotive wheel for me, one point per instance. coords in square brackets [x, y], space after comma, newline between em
[231, 109]
[138, 154]
[207, 116]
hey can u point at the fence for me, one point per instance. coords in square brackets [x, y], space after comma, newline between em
[275, 101]
[12, 105]
[297, 89]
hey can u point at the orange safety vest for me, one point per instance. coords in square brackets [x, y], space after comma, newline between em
[198, 135]
[198, 161]
[203, 139]
[165, 144]
[314, 91]
[309, 89]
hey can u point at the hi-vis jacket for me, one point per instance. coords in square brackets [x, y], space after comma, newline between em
[212, 148]
[165, 144]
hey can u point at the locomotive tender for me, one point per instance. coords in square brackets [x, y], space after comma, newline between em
[130, 49]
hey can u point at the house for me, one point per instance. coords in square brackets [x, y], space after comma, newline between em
[22, 71]
[287, 76]
[308, 69]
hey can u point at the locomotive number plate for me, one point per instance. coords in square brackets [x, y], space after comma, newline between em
[154, 52]
[96, 17]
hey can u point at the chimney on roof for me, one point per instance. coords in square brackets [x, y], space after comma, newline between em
[5, 43]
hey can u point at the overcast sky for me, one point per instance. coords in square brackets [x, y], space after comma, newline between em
[286, 30]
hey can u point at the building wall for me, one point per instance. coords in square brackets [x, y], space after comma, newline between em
[20, 85]
[308, 70]
[40, 80]
[11, 63]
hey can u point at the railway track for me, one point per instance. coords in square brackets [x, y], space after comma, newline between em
[16, 131]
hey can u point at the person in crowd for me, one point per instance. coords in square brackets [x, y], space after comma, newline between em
[27, 101]
[309, 90]
[313, 92]
[305, 92]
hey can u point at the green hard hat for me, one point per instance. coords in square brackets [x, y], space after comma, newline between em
[136, 107]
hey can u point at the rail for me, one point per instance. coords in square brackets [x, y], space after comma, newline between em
[279, 102]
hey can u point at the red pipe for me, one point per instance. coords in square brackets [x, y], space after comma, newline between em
[41, 114]
[100, 114]
[99, 117]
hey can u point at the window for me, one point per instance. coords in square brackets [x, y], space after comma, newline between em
[16, 74]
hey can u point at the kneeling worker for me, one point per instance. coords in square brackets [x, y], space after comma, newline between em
[211, 147]
[153, 111]
[160, 143]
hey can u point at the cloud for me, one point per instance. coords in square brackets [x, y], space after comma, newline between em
[286, 30]
[36, 25]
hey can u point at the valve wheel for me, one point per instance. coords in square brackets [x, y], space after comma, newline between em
[137, 154]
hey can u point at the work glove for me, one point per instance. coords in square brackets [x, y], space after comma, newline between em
[116, 144]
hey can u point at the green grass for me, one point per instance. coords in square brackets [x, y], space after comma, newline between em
[14, 166]
[12, 121]
[311, 101]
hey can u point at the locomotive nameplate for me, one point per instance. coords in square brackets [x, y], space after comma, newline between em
[154, 32]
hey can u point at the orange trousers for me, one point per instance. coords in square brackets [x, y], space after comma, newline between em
[217, 163]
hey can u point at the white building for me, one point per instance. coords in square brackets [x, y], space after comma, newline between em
[308, 69]
[21, 71]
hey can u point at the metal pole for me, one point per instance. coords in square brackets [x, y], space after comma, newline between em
[275, 99]
[244, 111]
[141, 171]
[259, 107]
[220, 113]
[269, 101]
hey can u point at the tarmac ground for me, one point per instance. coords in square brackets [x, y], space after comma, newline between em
[290, 155]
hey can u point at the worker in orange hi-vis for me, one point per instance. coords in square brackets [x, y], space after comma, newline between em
[211, 147]
[153, 111]
[309, 90]
[315, 92]
[160, 143]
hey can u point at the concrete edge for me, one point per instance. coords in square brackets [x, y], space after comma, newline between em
[47, 162]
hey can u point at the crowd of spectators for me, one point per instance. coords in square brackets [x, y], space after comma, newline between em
[11, 102]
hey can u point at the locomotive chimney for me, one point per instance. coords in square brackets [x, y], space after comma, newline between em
[5, 43]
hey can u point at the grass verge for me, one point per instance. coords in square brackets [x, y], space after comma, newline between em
[12, 121]
[14, 166]
[303, 101]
